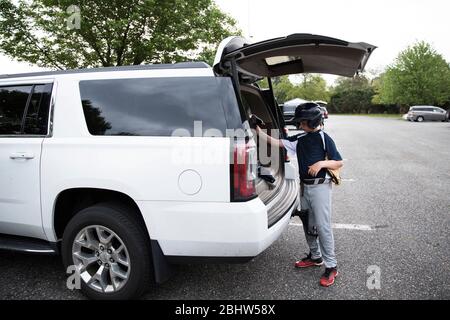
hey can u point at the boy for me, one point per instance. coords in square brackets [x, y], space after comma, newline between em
[315, 186]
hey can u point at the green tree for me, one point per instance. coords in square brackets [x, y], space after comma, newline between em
[351, 95]
[310, 87]
[110, 32]
[377, 84]
[419, 75]
[282, 87]
[313, 87]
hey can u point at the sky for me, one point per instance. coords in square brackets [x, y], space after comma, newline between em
[391, 25]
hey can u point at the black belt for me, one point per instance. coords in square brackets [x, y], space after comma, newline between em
[315, 181]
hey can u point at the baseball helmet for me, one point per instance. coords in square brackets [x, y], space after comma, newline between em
[309, 112]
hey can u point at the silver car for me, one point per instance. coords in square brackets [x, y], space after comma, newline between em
[422, 113]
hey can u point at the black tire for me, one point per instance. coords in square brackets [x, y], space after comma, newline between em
[134, 235]
[420, 119]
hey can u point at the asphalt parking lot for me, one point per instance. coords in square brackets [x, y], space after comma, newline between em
[396, 194]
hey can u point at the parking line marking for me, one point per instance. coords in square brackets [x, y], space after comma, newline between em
[362, 227]
[346, 226]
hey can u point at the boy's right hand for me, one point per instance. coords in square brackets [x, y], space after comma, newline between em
[255, 121]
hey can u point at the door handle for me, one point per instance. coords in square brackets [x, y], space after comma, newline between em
[22, 156]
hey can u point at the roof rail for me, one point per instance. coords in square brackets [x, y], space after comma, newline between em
[182, 65]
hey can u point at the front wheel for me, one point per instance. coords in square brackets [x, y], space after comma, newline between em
[110, 250]
[420, 119]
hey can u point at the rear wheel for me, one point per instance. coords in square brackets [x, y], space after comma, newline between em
[110, 250]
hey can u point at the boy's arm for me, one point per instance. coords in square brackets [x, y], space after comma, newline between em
[332, 153]
[265, 137]
[325, 164]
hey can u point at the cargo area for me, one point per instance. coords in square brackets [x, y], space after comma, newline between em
[270, 177]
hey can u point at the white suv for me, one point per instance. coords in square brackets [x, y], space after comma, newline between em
[125, 171]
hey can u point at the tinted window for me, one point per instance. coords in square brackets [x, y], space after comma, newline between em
[24, 109]
[154, 107]
[36, 120]
[13, 101]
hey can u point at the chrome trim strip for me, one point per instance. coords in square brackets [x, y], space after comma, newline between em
[286, 199]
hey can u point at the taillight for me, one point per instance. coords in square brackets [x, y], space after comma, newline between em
[244, 171]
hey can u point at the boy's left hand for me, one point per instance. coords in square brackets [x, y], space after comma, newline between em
[315, 168]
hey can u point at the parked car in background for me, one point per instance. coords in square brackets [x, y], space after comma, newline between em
[427, 113]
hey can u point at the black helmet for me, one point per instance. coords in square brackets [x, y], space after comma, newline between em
[309, 112]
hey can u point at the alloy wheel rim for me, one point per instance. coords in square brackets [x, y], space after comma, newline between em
[101, 258]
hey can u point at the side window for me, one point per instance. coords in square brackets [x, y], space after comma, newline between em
[36, 120]
[153, 106]
[13, 101]
[24, 109]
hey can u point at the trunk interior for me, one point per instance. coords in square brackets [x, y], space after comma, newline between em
[269, 165]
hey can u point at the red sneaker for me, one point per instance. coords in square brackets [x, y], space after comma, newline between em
[328, 277]
[308, 262]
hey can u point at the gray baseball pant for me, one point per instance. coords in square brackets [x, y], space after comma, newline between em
[317, 199]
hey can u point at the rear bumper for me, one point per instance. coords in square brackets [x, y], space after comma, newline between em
[212, 229]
